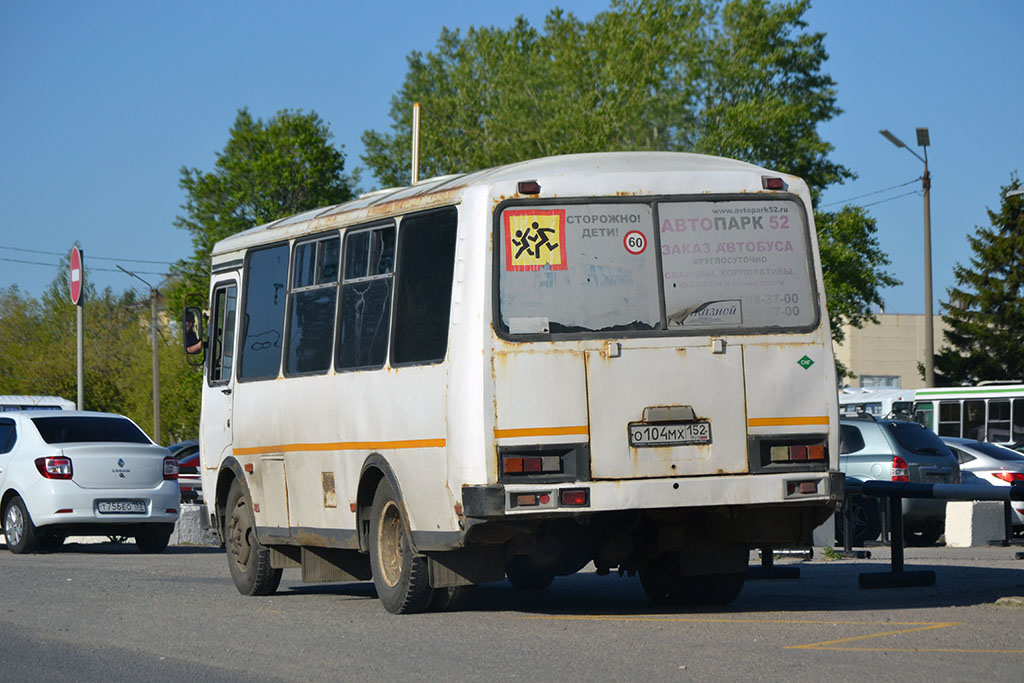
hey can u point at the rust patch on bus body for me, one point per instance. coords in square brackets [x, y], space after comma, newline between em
[330, 495]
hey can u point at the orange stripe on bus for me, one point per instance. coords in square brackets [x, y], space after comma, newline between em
[541, 431]
[787, 421]
[342, 446]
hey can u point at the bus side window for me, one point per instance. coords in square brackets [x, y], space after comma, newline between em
[924, 413]
[222, 333]
[974, 420]
[266, 292]
[311, 318]
[1018, 420]
[949, 418]
[423, 291]
[998, 427]
[366, 288]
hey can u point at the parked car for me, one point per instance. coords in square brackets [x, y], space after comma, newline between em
[83, 473]
[991, 464]
[189, 480]
[895, 450]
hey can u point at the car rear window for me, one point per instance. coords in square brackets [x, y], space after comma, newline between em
[917, 439]
[998, 452]
[82, 428]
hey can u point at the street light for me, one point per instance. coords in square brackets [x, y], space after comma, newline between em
[926, 184]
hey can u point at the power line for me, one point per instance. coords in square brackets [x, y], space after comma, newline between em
[868, 194]
[91, 256]
[57, 265]
[883, 201]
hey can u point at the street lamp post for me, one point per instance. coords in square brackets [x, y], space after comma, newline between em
[926, 185]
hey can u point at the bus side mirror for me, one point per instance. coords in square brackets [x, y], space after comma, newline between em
[192, 330]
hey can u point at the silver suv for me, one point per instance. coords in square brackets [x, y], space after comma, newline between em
[896, 450]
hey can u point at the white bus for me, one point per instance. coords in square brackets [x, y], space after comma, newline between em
[14, 402]
[991, 411]
[617, 358]
[881, 403]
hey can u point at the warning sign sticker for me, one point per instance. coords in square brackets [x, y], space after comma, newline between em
[535, 240]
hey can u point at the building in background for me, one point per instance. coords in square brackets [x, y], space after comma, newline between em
[887, 354]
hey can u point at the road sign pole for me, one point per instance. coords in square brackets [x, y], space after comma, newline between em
[76, 278]
[81, 356]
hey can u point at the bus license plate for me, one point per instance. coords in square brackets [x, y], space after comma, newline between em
[123, 507]
[644, 434]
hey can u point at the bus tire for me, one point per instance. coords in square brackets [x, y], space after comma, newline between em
[400, 576]
[721, 589]
[248, 561]
[523, 574]
[661, 579]
[19, 531]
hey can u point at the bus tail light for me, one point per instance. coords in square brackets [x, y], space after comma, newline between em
[798, 453]
[55, 467]
[900, 471]
[531, 464]
[574, 497]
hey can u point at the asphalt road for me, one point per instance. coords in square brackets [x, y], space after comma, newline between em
[107, 613]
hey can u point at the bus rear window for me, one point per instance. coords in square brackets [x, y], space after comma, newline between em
[727, 265]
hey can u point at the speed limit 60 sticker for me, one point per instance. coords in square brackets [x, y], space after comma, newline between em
[635, 242]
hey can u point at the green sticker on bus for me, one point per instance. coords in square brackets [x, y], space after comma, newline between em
[805, 362]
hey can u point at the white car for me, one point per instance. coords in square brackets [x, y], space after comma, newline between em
[992, 464]
[87, 474]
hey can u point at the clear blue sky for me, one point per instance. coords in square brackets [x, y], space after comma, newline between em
[104, 102]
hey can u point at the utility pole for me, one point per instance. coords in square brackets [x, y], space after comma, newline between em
[155, 332]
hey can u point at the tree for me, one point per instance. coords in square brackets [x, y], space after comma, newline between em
[267, 170]
[38, 337]
[985, 309]
[853, 276]
[741, 79]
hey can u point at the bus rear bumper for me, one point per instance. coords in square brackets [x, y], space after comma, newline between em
[497, 500]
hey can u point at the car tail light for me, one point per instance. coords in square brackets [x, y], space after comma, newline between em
[900, 471]
[170, 468]
[1009, 477]
[55, 467]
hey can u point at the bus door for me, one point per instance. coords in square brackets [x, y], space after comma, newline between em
[675, 411]
[218, 389]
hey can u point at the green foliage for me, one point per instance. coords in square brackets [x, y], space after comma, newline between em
[985, 309]
[39, 339]
[852, 261]
[267, 170]
[740, 79]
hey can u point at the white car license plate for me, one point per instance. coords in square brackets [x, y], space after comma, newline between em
[645, 434]
[114, 507]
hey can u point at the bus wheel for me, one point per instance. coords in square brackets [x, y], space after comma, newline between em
[248, 561]
[721, 589]
[400, 576]
[524, 574]
[661, 579]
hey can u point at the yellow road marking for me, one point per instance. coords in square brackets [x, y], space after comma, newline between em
[835, 645]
